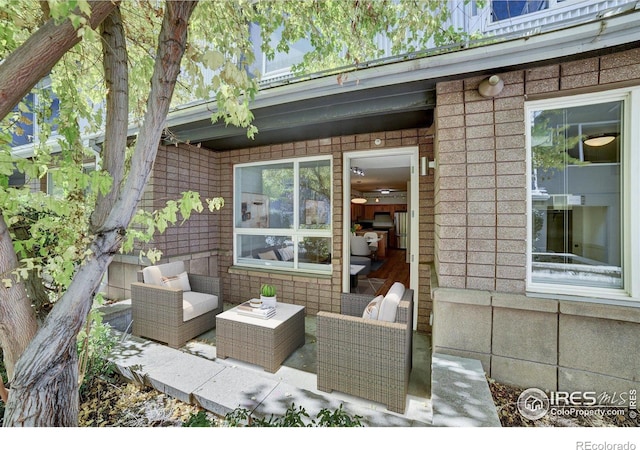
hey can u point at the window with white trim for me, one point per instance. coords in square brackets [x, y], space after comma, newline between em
[580, 155]
[282, 215]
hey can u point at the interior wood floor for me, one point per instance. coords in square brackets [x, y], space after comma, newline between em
[394, 269]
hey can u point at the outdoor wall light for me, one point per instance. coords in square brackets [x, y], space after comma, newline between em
[599, 140]
[357, 171]
[490, 87]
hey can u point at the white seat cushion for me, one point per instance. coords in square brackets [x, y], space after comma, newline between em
[195, 304]
[389, 305]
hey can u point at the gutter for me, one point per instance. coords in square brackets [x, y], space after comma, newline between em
[605, 31]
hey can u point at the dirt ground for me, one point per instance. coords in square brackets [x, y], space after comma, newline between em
[505, 397]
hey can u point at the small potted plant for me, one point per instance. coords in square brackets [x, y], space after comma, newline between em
[268, 296]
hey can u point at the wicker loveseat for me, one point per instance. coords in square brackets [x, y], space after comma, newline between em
[172, 306]
[367, 358]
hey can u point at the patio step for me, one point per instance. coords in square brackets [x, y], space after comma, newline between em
[460, 393]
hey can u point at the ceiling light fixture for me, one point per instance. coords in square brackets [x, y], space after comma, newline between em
[599, 140]
[384, 191]
[359, 200]
[357, 171]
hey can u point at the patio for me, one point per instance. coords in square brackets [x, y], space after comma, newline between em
[194, 374]
[444, 390]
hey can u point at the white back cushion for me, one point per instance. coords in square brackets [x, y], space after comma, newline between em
[172, 269]
[389, 306]
[152, 275]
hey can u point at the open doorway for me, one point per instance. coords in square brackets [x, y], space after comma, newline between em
[380, 201]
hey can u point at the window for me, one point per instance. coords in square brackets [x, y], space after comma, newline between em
[282, 215]
[580, 155]
[507, 9]
[282, 61]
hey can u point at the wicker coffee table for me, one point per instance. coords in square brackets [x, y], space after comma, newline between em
[264, 342]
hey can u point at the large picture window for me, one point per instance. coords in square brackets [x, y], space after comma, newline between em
[282, 215]
[578, 221]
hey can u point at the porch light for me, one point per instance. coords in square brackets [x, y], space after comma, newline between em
[359, 200]
[599, 140]
[357, 171]
[490, 87]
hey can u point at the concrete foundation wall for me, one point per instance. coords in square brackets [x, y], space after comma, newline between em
[544, 343]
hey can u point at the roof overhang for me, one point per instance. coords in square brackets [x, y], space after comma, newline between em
[397, 93]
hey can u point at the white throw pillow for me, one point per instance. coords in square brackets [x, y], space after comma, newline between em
[180, 281]
[389, 305]
[371, 310]
[286, 253]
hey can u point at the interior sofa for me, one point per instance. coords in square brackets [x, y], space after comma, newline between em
[172, 306]
[362, 353]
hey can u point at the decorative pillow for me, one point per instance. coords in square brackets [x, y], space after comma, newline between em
[268, 255]
[180, 281]
[389, 305]
[371, 310]
[286, 253]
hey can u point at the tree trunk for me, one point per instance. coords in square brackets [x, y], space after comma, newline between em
[18, 323]
[44, 390]
[36, 291]
[34, 59]
[116, 74]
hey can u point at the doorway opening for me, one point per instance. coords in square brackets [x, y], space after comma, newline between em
[380, 189]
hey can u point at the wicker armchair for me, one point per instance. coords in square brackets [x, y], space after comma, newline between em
[367, 358]
[172, 315]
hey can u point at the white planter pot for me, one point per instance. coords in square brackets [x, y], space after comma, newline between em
[268, 302]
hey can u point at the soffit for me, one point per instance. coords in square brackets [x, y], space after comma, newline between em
[397, 94]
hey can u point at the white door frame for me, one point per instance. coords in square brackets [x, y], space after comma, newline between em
[414, 239]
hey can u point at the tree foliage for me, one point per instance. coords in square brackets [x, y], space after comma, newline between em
[85, 220]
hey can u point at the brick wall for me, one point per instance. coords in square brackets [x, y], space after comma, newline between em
[322, 293]
[178, 169]
[481, 311]
[480, 189]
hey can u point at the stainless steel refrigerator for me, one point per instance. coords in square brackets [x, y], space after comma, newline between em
[401, 224]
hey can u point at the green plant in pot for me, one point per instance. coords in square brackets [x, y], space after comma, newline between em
[268, 296]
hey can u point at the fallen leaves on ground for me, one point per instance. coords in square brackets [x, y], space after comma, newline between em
[117, 403]
[506, 396]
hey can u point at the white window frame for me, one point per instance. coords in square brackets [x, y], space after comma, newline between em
[296, 232]
[630, 191]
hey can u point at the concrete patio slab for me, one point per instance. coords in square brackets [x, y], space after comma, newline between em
[181, 376]
[460, 393]
[232, 388]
